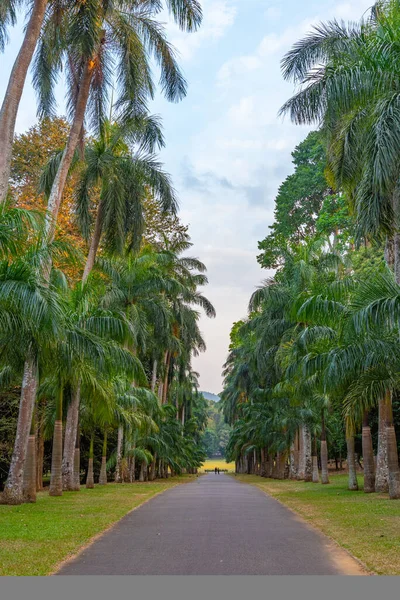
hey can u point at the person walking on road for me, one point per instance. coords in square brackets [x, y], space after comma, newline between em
[215, 470]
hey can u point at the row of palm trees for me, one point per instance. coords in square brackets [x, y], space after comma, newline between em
[113, 352]
[321, 340]
[322, 336]
[84, 346]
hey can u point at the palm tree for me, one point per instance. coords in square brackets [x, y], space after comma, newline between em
[348, 83]
[12, 97]
[32, 319]
[90, 353]
[93, 37]
[124, 180]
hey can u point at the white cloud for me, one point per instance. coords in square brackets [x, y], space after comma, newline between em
[244, 143]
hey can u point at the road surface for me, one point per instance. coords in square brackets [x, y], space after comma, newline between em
[212, 526]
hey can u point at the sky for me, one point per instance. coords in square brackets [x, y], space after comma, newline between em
[227, 150]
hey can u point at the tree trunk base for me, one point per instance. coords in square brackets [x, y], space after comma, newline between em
[394, 486]
[56, 484]
[77, 471]
[30, 471]
[90, 476]
[12, 497]
[393, 464]
[103, 471]
[315, 473]
[382, 470]
[324, 462]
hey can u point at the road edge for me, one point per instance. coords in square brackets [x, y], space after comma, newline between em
[94, 539]
[368, 572]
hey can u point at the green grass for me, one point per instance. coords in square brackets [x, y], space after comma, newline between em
[35, 538]
[367, 525]
[220, 463]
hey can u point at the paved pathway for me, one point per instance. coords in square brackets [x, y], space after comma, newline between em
[213, 526]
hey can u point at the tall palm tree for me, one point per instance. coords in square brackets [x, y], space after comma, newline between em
[348, 84]
[12, 97]
[87, 38]
[32, 319]
[124, 179]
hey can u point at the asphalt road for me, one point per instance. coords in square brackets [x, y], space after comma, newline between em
[213, 526]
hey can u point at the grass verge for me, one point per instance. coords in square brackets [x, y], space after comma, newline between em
[35, 538]
[367, 525]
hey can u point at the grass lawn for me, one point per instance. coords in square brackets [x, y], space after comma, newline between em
[34, 538]
[367, 525]
[220, 463]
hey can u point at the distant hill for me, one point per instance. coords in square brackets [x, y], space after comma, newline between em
[210, 396]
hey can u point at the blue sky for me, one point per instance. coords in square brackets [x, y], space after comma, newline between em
[227, 150]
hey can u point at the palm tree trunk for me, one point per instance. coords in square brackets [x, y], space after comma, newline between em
[315, 472]
[165, 385]
[12, 98]
[30, 471]
[103, 469]
[90, 474]
[285, 465]
[262, 466]
[160, 392]
[382, 471]
[292, 467]
[132, 470]
[301, 468]
[296, 455]
[368, 456]
[141, 473]
[39, 457]
[152, 474]
[119, 454]
[95, 242]
[154, 376]
[30, 466]
[77, 462]
[324, 452]
[266, 462]
[278, 473]
[394, 256]
[71, 427]
[56, 485]
[58, 186]
[13, 489]
[351, 464]
[271, 466]
[392, 454]
[307, 453]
